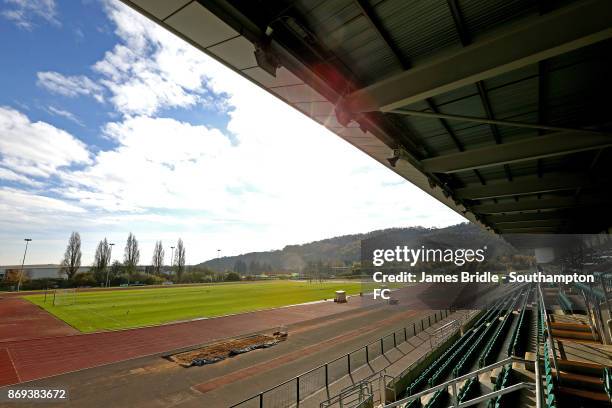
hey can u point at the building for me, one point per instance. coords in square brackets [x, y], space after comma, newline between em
[36, 271]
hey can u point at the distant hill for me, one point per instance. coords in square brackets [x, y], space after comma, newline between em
[347, 248]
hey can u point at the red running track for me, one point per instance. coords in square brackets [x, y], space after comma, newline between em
[20, 319]
[44, 357]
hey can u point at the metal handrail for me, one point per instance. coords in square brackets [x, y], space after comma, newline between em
[498, 393]
[549, 336]
[455, 381]
[447, 312]
[361, 389]
[442, 332]
[538, 375]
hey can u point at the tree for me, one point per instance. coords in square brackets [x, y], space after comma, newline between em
[131, 256]
[319, 269]
[254, 267]
[115, 270]
[240, 267]
[158, 258]
[179, 259]
[72, 256]
[310, 270]
[232, 277]
[101, 260]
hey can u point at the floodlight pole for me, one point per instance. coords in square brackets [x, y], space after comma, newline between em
[110, 256]
[27, 241]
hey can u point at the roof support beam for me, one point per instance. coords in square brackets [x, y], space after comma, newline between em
[528, 217]
[530, 230]
[486, 104]
[460, 27]
[462, 118]
[370, 15]
[526, 185]
[556, 33]
[533, 148]
[529, 224]
[543, 204]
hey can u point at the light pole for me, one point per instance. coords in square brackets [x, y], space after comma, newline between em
[27, 241]
[171, 259]
[110, 256]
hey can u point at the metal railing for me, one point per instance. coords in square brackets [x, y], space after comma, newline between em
[548, 337]
[441, 333]
[453, 384]
[293, 391]
[353, 396]
[607, 380]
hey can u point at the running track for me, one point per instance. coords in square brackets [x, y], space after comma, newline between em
[30, 359]
[20, 320]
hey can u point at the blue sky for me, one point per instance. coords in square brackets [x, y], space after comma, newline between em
[110, 125]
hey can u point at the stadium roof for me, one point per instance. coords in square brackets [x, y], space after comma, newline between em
[498, 108]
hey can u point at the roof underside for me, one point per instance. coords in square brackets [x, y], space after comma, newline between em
[497, 108]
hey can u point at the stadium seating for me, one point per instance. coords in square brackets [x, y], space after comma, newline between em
[516, 346]
[437, 400]
[598, 293]
[469, 390]
[496, 341]
[481, 342]
[423, 379]
[565, 303]
[467, 359]
[444, 368]
[548, 380]
[503, 380]
[550, 400]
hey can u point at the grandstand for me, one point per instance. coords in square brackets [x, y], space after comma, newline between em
[535, 346]
[492, 363]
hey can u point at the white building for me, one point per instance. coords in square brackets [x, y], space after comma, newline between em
[36, 271]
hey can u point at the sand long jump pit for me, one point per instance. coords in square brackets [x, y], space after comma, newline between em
[219, 351]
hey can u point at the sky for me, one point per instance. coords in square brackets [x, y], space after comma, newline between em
[109, 124]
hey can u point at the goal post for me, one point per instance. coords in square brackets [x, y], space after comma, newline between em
[64, 297]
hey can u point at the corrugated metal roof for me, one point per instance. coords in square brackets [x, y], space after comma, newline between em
[418, 28]
[483, 16]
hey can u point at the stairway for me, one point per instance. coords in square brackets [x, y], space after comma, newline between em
[581, 384]
[576, 331]
[580, 362]
[532, 341]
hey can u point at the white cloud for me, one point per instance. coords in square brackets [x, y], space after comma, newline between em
[6, 174]
[36, 148]
[70, 86]
[151, 69]
[24, 12]
[18, 199]
[65, 114]
[154, 166]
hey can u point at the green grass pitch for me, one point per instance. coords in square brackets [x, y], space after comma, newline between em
[120, 309]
